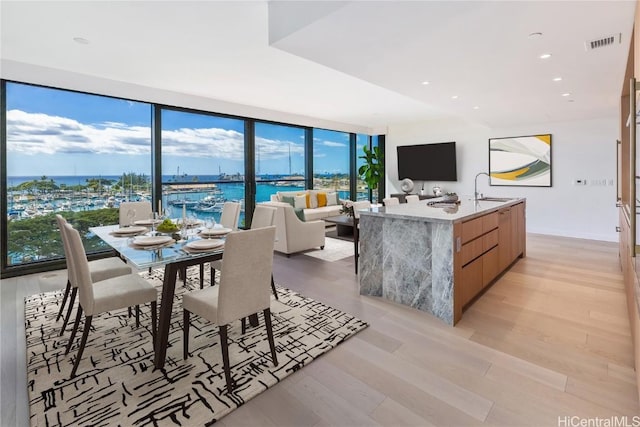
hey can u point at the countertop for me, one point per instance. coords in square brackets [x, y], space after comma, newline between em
[422, 211]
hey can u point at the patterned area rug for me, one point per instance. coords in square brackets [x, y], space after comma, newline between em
[117, 384]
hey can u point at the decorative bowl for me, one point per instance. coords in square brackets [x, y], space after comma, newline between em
[450, 198]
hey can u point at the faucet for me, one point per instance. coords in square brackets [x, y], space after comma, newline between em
[475, 187]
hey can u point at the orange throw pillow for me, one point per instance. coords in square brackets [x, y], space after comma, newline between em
[322, 199]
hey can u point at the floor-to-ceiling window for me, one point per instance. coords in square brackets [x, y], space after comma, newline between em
[331, 161]
[71, 153]
[82, 154]
[279, 159]
[202, 163]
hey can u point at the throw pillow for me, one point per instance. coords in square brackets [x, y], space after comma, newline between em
[299, 214]
[322, 199]
[313, 199]
[300, 201]
[332, 199]
[290, 200]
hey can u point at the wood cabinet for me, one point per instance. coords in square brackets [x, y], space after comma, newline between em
[488, 245]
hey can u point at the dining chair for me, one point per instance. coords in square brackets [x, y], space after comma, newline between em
[134, 211]
[242, 291]
[228, 219]
[412, 198]
[391, 201]
[357, 206]
[103, 296]
[230, 215]
[100, 269]
[263, 216]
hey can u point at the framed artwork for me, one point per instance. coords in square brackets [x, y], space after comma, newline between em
[520, 161]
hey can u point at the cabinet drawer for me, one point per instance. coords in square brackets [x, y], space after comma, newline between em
[472, 250]
[471, 280]
[490, 240]
[490, 266]
[489, 222]
[471, 229]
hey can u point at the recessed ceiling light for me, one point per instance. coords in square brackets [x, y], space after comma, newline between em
[535, 35]
[425, 82]
[545, 56]
[454, 97]
[566, 94]
[557, 79]
[80, 40]
[476, 107]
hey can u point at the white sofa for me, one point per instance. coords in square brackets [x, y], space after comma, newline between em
[311, 211]
[294, 235]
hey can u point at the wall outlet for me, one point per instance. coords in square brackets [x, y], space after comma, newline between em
[578, 181]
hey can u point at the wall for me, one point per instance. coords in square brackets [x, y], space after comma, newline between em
[580, 149]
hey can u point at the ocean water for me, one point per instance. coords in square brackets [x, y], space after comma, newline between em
[227, 191]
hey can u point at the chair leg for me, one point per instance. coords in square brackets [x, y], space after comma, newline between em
[72, 300]
[64, 299]
[185, 335]
[137, 316]
[202, 276]
[244, 325]
[224, 345]
[272, 345]
[273, 288]
[213, 276]
[154, 322]
[85, 334]
[75, 329]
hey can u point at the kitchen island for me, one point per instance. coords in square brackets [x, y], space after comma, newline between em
[439, 257]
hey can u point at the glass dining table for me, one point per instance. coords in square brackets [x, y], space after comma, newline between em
[171, 255]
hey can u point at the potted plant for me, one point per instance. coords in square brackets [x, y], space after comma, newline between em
[372, 170]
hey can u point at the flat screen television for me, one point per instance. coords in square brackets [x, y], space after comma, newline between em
[428, 162]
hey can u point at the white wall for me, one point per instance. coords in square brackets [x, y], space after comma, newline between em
[580, 149]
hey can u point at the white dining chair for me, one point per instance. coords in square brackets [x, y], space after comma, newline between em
[412, 198]
[134, 211]
[103, 296]
[242, 291]
[357, 207]
[228, 219]
[100, 269]
[230, 215]
[391, 201]
[263, 216]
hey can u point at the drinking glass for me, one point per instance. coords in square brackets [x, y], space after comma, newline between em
[131, 216]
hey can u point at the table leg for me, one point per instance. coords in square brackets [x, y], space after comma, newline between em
[356, 238]
[253, 319]
[166, 305]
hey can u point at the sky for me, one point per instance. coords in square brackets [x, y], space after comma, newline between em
[55, 133]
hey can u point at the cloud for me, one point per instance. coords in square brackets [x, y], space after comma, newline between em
[334, 144]
[42, 134]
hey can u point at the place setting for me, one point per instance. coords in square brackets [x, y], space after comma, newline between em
[151, 242]
[203, 245]
[212, 230]
[133, 230]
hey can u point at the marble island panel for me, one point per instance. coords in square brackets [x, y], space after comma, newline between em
[407, 253]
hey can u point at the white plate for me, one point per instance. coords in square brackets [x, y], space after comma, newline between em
[147, 221]
[151, 240]
[204, 244]
[215, 231]
[129, 230]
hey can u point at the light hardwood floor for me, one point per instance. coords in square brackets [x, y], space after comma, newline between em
[549, 339]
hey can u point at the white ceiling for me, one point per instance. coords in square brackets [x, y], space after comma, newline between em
[360, 62]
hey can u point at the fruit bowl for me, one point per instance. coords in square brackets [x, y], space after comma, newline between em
[167, 226]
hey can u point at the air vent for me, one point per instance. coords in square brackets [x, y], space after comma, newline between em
[603, 42]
